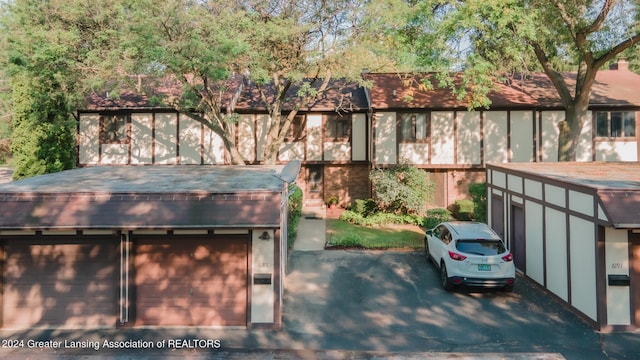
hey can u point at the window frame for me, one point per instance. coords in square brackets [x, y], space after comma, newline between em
[331, 131]
[118, 134]
[414, 116]
[623, 125]
[297, 129]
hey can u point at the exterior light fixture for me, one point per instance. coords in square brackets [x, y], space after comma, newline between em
[264, 236]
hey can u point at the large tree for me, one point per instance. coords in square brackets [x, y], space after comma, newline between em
[489, 37]
[289, 50]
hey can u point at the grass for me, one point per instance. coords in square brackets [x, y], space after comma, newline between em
[342, 234]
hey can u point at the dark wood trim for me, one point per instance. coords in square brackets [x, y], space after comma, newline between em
[535, 141]
[153, 138]
[249, 289]
[278, 284]
[178, 123]
[567, 220]
[455, 137]
[509, 151]
[2, 257]
[634, 273]
[601, 274]
[482, 157]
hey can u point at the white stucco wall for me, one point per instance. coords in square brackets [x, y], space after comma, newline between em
[617, 263]
[337, 151]
[88, 137]
[246, 140]
[190, 138]
[549, 133]
[495, 136]
[581, 202]
[617, 151]
[166, 138]
[141, 138]
[414, 153]
[262, 262]
[385, 138]
[522, 136]
[469, 137]
[583, 266]
[359, 137]
[534, 244]
[556, 252]
[314, 137]
[291, 151]
[442, 139]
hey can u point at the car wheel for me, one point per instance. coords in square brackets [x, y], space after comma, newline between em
[508, 288]
[444, 278]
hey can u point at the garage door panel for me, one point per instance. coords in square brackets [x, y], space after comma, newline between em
[191, 281]
[48, 284]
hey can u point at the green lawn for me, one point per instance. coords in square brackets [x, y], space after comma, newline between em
[343, 234]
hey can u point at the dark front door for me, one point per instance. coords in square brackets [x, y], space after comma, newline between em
[517, 244]
[315, 193]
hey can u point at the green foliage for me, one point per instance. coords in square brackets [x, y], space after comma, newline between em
[295, 212]
[364, 207]
[402, 189]
[436, 216]
[462, 209]
[380, 218]
[343, 234]
[478, 192]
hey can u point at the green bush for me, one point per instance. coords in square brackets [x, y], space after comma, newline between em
[364, 207]
[402, 189]
[436, 216]
[295, 212]
[478, 192]
[380, 218]
[463, 209]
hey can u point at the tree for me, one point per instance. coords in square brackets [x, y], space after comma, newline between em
[290, 51]
[496, 36]
[53, 51]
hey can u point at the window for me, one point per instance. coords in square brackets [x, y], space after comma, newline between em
[413, 127]
[616, 124]
[338, 128]
[481, 247]
[113, 129]
[296, 130]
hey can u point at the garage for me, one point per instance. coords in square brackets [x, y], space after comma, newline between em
[47, 281]
[574, 228]
[191, 281]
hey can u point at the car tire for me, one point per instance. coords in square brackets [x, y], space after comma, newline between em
[508, 288]
[444, 278]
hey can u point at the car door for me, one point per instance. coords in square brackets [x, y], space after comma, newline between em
[436, 244]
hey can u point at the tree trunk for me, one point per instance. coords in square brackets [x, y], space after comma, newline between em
[570, 130]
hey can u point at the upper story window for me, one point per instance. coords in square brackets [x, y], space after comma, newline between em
[338, 127]
[297, 129]
[113, 129]
[413, 127]
[616, 124]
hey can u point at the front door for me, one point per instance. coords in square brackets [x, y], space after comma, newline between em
[314, 189]
[517, 245]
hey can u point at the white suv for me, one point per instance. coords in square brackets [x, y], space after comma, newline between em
[469, 253]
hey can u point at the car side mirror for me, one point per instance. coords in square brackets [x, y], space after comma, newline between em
[430, 232]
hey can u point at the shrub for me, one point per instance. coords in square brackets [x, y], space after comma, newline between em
[380, 218]
[462, 209]
[364, 207]
[436, 216]
[402, 189]
[478, 192]
[295, 212]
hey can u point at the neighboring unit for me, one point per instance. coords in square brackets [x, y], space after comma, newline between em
[574, 228]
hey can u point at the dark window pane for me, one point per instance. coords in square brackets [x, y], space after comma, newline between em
[629, 124]
[407, 127]
[616, 124]
[602, 124]
[114, 129]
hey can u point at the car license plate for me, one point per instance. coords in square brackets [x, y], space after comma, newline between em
[484, 267]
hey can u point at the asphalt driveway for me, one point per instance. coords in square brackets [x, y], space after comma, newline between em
[365, 304]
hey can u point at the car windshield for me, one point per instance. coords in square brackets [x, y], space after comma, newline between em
[480, 247]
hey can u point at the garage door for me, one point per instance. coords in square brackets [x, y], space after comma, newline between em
[67, 283]
[191, 281]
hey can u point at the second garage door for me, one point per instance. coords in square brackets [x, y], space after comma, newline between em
[191, 281]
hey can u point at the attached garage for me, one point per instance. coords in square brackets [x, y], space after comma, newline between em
[574, 228]
[47, 281]
[150, 246]
[191, 281]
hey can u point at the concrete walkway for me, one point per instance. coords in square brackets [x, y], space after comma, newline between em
[311, 234]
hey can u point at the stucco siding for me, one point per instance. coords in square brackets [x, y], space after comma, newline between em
[585, 143]
[414, 153]
[581, 202]
[190, 139]
[141, 138]
[534, 248]
[314, 137]
[442, 139]
[246, 132]
[359, 137]
[554, 195]
[213, 148]
[583, 266]
[166, 138]
[291, 151]
[262, 262]
[522, 136]
[262, 126]
[549, 133]
[114, 154]
[495, 136]
[617, 263]
[385, 138]
[337, 151]
[514, 183]
[469, 137]
[556, 253]
[616, 151]
[89, 139]
[533, 188]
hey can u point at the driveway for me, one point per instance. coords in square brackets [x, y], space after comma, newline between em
[375, 305]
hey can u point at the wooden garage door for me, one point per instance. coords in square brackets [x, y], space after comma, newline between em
[191, 281]
[65, 283]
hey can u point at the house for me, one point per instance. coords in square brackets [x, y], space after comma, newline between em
[351, 129]
[105, 247]
[574, 228]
